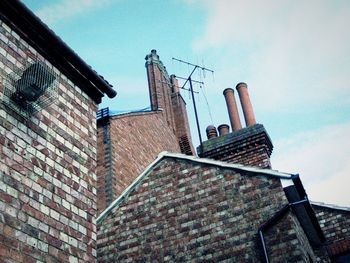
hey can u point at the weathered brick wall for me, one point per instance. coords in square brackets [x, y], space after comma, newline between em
[47, 171]
[182, 132]
[335, 224]
[104, 167]
[249, 146]
[136, 140]
[288, 229]
[186, 211]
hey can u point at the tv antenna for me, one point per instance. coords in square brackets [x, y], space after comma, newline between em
[189, 79]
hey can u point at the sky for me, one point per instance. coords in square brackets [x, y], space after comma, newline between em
[293, 54]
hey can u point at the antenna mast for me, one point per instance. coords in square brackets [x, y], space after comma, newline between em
[189, 79]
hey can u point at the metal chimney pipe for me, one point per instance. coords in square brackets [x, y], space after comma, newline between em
[223, 129]
[247, 108]
[232, 109]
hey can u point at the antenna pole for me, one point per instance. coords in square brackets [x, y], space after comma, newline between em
[189, 79]
[196, 114]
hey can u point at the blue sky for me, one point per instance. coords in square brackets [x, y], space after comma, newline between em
[294, 56]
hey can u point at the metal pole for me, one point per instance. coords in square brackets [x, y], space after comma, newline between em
[195, 113]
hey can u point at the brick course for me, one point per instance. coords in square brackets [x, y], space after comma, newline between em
[249, 146]
[335, 224]
[47, 170]
[135, 140]
[185, 211]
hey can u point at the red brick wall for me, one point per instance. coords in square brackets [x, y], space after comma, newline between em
[136, 139]
[165, 94]
[187, 211]
[182, 132]
[47, 171]
[335, 224]
[159, 87]
[104, 166]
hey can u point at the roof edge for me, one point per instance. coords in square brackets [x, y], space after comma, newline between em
[131, 187]
[331, 206]
[162, 155]
[22, 20]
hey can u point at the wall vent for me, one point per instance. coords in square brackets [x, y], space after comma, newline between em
[30, 89]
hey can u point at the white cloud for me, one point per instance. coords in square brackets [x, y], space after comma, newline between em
[67, 8]
[322, 159]
[292, 52]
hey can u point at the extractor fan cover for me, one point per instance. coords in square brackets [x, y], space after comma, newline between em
[31, 88]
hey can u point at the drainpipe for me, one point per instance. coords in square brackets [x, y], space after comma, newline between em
[269, 223]
[278, 215]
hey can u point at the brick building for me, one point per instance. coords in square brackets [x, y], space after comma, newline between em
[227, 205]
[128, 142]
[335, 223]
[49, 99]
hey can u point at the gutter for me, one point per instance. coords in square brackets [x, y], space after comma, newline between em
[279, 214]
[274, 219]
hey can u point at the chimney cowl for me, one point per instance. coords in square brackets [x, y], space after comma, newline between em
[153, 56]
[227, 90]
[235, 121]
[223, 129]
[247, 107]
[241, 84]
[211, 132]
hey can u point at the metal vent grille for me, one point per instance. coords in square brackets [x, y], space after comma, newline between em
[30, 89]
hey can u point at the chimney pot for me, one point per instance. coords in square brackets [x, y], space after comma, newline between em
[232, 109]
[211, 132]
[223, 129]
[247, 107]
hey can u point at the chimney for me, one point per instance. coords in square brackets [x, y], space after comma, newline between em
[211, 132]
[232, 109]
[247, 108]
[182, 127]
[250, 146]
[223, 129]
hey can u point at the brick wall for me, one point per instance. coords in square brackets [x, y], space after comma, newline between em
[136, 140]
[165, 94]
[47, 170]
[335, 224]
[182, 131]
[190, 211]
[249, 146]
[159, 87]
[284, 237]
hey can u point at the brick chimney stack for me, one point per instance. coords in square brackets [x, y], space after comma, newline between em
[232, 109]
[247, 107]
[248, 146]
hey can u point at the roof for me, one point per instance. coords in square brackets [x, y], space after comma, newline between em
[47, 43]
[163, 155]
[331, 206]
